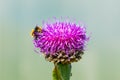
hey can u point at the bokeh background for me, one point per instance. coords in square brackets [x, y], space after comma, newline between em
[18, 61]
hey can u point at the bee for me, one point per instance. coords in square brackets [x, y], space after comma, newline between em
[36, 31]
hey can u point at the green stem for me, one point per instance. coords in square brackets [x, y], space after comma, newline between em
[62, 72]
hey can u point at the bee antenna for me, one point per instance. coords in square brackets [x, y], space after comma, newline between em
[37, 25]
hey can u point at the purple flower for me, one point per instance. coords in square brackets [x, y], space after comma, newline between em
[61, 36]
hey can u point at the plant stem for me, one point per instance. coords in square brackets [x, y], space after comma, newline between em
[62, 71]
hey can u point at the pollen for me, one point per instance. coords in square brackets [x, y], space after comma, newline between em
[32, 33]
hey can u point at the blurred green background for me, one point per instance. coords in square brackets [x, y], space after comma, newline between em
[18, 61]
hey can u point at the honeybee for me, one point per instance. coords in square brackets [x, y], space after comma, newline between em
[35, 31]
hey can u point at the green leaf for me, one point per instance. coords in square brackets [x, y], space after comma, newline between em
[56, 75]
[62, 71]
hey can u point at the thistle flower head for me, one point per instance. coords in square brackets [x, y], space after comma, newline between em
[61, 41]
